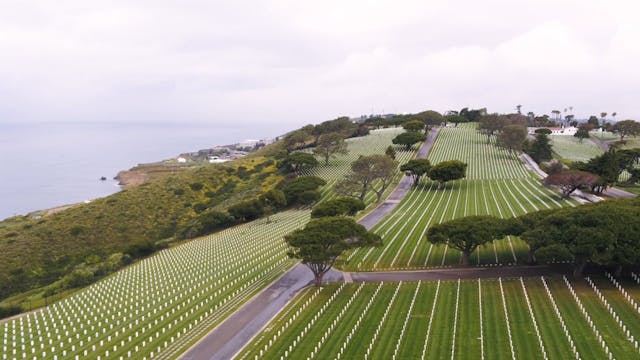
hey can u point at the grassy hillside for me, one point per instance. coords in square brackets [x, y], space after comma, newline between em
[37, 252]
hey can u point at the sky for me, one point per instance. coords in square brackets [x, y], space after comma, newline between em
[292, 62]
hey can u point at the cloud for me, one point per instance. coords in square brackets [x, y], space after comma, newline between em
[294, 62]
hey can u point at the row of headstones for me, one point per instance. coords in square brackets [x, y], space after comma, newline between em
[586, 315]
[382, 321]
[624, 292]
[561, 319]
[336, 320]
[293, 317]
[364, 312]
[60, 316]
[613, 313]
[406, 321]
[309, 324]
[506, 316]
[533, 318]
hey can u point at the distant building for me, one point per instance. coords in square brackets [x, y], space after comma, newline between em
[182, 160]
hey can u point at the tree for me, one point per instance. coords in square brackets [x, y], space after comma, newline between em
[416, 168]
[512, 137]
[456, 119]
[247, 210]
[607, 167]
[302, 190]
[430, 118]
[296, 139]
[603, 116]
[569, 181]
[626, 128]
[490, 124]
[373, 172]
[540, 148]
[527, 227]
[297, 162]
[323, 240]
[330, 145]
[519, 108]
[556, 113]
[448, 170]
[408, 139]
[414, 126]
[593, 121]
[338, 207]
[467, 233]
[390, 152]
[583, 132]
[273, 200]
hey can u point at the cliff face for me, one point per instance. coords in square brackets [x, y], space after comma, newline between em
[140, 174]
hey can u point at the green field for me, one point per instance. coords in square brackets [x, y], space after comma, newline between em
[468, 319]
[497, 184]
[571, 148]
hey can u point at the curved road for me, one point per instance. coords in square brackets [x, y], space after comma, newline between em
[228, 338]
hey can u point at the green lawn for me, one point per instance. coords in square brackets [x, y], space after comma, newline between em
[449, 319]
[497, 184]
[571, 148]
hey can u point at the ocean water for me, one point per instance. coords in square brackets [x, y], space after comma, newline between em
[51, 164]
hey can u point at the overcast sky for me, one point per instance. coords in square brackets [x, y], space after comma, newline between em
[295, 62]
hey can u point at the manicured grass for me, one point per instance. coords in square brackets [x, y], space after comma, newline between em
[571, 148]
[497, 184]
[468, 321]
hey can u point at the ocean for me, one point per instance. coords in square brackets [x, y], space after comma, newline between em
[46, 165]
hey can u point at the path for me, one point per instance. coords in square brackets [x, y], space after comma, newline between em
[401, 190]
[604, 145]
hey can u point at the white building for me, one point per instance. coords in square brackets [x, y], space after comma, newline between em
[182, 160]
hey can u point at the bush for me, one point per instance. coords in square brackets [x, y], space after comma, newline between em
[247, 210]
[196, 186]
[10, 310]
[301, 190]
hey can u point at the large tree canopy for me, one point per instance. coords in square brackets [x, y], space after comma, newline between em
[330, 145]
[373, 172]
[414, 125]
[570, 181]
[416, 168]
[512, 137]
[297, 162]
[338, 207]
[302, 190]
[448, 170]
[490, 124]
[626, 128]
[466, 234]
[320, 243]
[408, 139]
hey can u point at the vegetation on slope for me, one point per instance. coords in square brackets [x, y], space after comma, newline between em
[134, 222]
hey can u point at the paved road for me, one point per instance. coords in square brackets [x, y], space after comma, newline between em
[401, 190]
[604, 145]
[232, 334]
